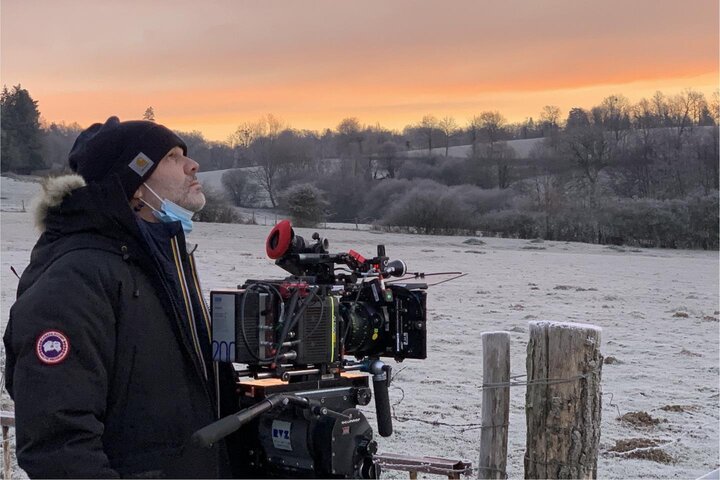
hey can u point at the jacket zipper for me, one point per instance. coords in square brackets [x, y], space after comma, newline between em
[208, 325]
[188, 304]
[176, 315]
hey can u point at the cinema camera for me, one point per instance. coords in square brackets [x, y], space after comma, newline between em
[300, 390]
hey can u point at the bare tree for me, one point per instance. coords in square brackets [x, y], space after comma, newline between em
[389, 158]
[448, 126]
[427, 127]
[263, 153]
[588, 147]
[714, 107]
[473, 128]
[350, 134]
[243, 137]
[682, 113]
[550, 119]
[613, 113]
[639, 156]
[241, 189]
[492, 125]
[547, 193]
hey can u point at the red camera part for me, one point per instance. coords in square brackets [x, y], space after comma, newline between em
[286, 289]
[357, 257]
[279, 239]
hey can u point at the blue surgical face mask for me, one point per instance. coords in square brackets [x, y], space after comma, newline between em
[171, 212]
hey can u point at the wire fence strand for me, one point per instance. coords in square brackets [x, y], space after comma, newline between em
[464, 427]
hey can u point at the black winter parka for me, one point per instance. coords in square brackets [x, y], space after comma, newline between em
[131, 389]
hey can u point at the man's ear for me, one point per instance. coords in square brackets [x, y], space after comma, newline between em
[138, 194]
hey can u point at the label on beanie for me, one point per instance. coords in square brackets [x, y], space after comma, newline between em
[141, 164]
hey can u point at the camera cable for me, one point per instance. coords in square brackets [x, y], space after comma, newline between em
[267, 288]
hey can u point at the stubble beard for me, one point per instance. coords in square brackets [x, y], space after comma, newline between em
[192, 199]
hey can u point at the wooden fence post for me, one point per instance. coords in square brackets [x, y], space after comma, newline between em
[7, 420]
[495, 405]
[563, 400]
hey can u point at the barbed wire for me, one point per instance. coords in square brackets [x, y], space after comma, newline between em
[464, 427]
[552, 462]
[538, 381]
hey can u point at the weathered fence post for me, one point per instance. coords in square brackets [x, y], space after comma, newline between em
[563, 400]
[7, 468]
[7, 420]
[495, 405]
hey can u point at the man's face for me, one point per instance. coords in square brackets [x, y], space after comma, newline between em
[175, 180]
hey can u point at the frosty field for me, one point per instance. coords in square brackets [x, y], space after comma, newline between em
[658, 310]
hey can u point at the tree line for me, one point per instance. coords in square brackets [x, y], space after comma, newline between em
[643, 173]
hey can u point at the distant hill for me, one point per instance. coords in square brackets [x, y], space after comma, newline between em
[213, 178]
[522, 149]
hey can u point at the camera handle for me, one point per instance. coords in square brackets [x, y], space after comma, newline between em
[381, 381]
[210, 434]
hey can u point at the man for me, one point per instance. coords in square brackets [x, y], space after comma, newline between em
[108, 345]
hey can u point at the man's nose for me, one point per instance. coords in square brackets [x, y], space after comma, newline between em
[191, 166]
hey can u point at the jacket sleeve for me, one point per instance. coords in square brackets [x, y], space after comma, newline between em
[60, 404]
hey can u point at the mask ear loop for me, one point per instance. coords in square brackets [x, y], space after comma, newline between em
[156, 196]
[154, 209]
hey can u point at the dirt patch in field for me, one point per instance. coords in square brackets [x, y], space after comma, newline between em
[639, 419]
[678, 408]
[473, 241]
[610, 360]
[641, 448]
[627, 444]
[688, 353]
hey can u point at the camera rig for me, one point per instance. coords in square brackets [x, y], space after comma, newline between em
[300, 389]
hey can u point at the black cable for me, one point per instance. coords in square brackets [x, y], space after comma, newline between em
[268, 289]
[322, 312]
[298, 309]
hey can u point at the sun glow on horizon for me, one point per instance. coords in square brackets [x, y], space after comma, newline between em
[215, 67]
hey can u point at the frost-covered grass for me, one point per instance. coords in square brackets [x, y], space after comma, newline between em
[658, 310]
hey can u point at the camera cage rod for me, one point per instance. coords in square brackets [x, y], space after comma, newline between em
[422, 275]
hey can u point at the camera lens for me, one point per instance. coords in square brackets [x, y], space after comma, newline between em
[362, 324]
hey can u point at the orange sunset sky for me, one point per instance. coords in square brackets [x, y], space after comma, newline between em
[210, 65]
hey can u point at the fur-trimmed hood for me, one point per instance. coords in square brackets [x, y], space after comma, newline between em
[69, 205]
[54, 190]
[72, 214]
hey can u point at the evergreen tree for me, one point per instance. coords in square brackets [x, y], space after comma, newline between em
[149, 114]
[21, 150]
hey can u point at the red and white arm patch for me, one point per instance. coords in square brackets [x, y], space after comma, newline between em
[52, 347]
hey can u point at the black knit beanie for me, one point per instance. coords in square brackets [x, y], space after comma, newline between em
[132, 150]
